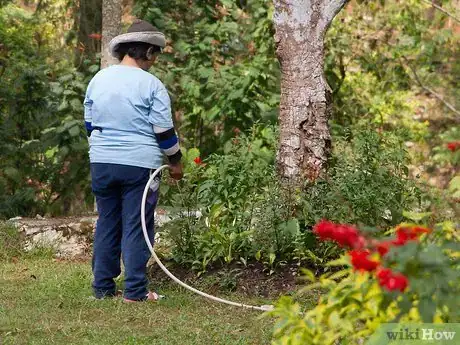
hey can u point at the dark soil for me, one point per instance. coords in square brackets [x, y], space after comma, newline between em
[251, 280]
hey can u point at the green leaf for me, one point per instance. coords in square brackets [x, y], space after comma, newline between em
[76, 104]
[212, 113]
[427, 309]
[192, 154]
[416, 216]
[51, 152]
[454, 184]
[308, 275]
[57, 88]
[342, 261]
[32, 142]
[64, 151]
[334, 319]
[93, 68]
[74, 131]
[48, 130]
[292, 227]
[432, 256]
[238, 93]
[63, 106]
[13, 174]
[70, 93]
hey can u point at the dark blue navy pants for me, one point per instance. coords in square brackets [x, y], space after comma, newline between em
[118, 190]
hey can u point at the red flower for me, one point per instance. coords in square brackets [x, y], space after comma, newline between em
[392, 281]
[397, 282]
[360, 260]
[344, 235]
[403, 235]
[95, 36]
[383, 274]
[453, 146]
[384, 247]
[408, 233]
[198, 161]
[420, 230]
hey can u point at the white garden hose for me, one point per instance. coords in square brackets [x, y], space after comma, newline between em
[170, 275]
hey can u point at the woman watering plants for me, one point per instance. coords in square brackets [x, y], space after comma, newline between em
[129, 123]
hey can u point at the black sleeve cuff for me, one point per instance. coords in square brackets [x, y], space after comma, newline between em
[175, 158]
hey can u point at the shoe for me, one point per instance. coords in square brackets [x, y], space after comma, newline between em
[150, 297]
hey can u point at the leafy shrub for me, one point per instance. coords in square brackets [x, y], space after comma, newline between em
[247, 214]
[367, 182]
[44, 166]
[368, 292]
[225, 189]
[223, 73]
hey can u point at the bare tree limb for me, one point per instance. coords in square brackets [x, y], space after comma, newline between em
[434, 93]
[439, 8]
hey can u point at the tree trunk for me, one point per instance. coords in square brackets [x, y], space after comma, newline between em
[89, 23]
[111, 27]
[305, 107]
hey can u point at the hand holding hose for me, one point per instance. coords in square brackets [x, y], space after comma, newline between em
[176, 171]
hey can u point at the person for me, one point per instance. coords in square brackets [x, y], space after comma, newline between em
[129, 124]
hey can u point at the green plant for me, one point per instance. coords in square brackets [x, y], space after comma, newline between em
[224, 189]
[219, 66]
[367, 182]
[247, 214]
[447, 152]
[228, 279]
[11, 245]
[44, 167]
[357, 299]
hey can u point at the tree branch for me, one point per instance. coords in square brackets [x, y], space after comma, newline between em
[2, 70]
[434, 93]
[439, 8]
[333, 7]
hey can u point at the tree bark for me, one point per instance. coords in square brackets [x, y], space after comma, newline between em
[111, 27]
[305, 107]
[89, 22]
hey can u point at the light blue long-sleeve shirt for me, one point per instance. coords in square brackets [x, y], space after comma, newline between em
[125, 103]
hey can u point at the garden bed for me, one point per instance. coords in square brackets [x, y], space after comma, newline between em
[251, 280]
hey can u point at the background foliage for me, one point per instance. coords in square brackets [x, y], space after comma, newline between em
[393, 68]
[223, 76]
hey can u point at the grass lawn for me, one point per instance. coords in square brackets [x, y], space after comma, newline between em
[44, 301]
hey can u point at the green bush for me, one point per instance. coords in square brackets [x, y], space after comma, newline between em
[44, 167]
[220, 66]
[226, 190]
[367, 182]
[247, 214]
[356, 301]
